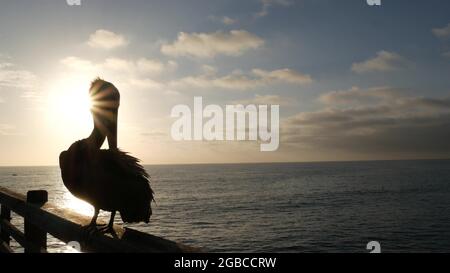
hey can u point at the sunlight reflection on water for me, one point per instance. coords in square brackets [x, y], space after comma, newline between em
[80, 206]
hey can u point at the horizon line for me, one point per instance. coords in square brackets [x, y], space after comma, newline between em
[253, 163]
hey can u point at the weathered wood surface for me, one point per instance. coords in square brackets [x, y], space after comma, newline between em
[5, 248]
[67, 226]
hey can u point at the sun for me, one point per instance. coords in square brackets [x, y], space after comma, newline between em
[69, 106]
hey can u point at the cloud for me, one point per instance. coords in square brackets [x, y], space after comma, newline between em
[236, 81]
[267, 4]
[78, 63]
[392, 126]
[6, 129]
[149, 74]
[139, 66]
[442, 32]
[357, 96]
[140, 74]
[31, 95]
[105, 39]
[265, 100]
[283, 75]
[155, 134]
[12, 77]
[207, 45]
[142, 66]
[224, 20]
[5, 65]
[146, 83]
[446, 54]
[5, 56]
[384, 62]
[228, 21]
[242, 81]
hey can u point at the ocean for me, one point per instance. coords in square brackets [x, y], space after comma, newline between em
[283, 207]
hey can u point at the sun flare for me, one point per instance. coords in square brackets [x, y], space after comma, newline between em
[69, 106]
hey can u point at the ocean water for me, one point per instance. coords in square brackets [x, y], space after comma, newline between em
[286, 207]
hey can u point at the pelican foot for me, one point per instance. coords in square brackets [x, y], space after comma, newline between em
[105, 228]
[93, 228]
[101, 228]
[108, 229]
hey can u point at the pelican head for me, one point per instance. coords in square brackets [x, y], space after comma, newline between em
[105, 98]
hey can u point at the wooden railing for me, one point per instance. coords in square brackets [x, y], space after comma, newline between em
[42, 218]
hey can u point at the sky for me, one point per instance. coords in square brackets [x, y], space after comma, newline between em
[353, 81]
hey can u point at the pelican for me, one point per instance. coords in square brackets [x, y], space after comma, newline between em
[109, 180]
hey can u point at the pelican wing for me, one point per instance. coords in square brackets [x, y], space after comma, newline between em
[123, 161]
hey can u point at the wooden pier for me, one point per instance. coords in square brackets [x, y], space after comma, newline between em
[42, 218]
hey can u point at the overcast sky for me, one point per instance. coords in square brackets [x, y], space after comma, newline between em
[354, 82]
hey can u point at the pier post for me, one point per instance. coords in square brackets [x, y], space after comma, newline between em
[5, 215]
[33, 233]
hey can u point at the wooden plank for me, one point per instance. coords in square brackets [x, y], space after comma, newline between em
[5, 248]
[67, 225]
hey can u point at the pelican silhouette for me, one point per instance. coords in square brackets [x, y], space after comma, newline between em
[110, 180]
